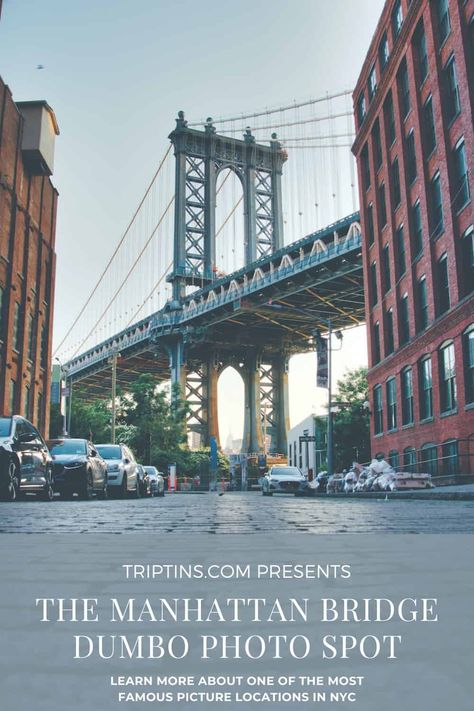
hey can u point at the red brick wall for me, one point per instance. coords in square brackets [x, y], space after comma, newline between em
[27, 268]
[461, 313]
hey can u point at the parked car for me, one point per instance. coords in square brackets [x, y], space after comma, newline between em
[123, 476]
[144, 481]
[282, 480]
[157, 482]
[26, 464]
[78, 468]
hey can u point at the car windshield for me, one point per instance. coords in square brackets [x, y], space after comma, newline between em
[286, 471]
[5, 426]
[69, 446]
[151, 471]
[109, 451]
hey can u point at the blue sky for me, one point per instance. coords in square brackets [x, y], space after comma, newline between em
[116, 72]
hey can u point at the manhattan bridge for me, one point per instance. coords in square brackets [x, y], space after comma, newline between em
[245, 242]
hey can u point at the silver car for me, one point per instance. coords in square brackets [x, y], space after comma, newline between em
[282, 480]
[122, 470]
[157, 482]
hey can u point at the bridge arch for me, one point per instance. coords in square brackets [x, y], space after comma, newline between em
[229, 221]
[231, 406]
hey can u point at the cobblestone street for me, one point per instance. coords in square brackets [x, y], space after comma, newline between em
[237, 513]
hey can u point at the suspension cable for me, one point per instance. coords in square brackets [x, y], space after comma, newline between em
[104, 272]
[268, 112]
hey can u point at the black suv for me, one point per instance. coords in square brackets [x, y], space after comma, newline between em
[26, 465]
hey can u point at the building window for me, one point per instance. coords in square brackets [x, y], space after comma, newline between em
[2, 311]
[378, 410]
[382, 206]
[12, 397]
[372, 83]
[370, 223]
[467, 261]
[443, 20]
[407, 396]
[436, 207]
[393, 459]
[389, 115]
[404, 89]
[442, 285]
[27, 403]
[396, 192]
[384, 52]
[397, 18]
[31, 337]
[409, 459]
[44, 346]
[376, 343]
[361, 109]
[460, 182]
[447, 378]
[377, 145]
[39, 420]
[410, 156]
[417, 229]
[468, 352]
[389, 342]
[422, 315]
[425, 379]
[373, 283]
[452, 101]
[365, 167]
[428, 124]
[403, 320]
[450, 458]
[391, 387]
[421, 53]
[16, 326]
[386, 281]
[429, 459]
[401, 252]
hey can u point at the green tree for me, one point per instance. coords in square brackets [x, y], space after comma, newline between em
[90, 420]
[351, 422]
[56, 421]
[158, 419]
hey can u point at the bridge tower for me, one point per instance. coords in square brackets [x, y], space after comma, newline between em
[200, 157]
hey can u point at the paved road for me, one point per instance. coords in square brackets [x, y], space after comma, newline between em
[236, 513]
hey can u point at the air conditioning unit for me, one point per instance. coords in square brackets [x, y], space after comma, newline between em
[40, 129]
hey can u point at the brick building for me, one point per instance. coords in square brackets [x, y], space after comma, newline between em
[414, 146]
[27, 259]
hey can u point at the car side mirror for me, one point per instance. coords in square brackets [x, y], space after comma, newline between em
[26, 437]
[126, 461]
[93, 452]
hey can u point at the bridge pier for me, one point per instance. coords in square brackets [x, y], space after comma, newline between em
[253, 435]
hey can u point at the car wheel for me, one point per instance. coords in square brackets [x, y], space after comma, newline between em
[122, 490]
[9, 490]
[103, 494]
[87, 489]
[136, 494]
[47, 494]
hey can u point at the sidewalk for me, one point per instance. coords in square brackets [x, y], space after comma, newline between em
[459, 492]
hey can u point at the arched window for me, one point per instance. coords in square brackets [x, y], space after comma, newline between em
[429, 459]
[409, 459]
[468, 358]
[450, 458]
[394, 459]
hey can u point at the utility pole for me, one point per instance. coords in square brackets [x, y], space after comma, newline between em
[113, 361]
[330, 465]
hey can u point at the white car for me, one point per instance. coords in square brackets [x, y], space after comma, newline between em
[122, 470]
[157, 482]
[282, 480]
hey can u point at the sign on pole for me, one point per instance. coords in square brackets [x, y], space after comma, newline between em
[322, 375]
